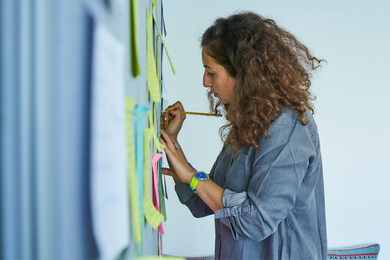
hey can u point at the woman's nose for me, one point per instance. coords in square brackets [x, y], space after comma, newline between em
[206, 80]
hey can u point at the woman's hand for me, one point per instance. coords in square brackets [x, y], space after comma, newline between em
[172, 120]
[179, 169]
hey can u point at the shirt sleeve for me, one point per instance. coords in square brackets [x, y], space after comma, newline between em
[278, 170]
[194, 203]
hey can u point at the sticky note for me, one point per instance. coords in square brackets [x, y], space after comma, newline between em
[155, 181]
[152, 215]
[159, 146]
[135, 67]
[140, 112]
[162, 193]
[151, 73]
[131, 173]
[164, 45]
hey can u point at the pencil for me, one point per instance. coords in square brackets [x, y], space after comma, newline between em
[195, 113]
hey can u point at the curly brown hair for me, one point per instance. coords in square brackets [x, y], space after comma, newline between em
[272, 70]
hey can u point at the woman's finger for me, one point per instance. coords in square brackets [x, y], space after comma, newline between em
[167, 171]
[170, 172]
[175, 110]
[176, 105]
[163, 119]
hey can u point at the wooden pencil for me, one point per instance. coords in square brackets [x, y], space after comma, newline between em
[195, 113]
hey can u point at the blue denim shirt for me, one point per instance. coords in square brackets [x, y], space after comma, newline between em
[274, 204]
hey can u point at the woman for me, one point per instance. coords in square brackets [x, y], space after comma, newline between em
[266, 187]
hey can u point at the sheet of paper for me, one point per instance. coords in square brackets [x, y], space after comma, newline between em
[151, 73]
[135, 67]
[109, 190]
[152, 215]
[132, 175]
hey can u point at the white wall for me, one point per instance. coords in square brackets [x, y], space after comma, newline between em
[352, 111]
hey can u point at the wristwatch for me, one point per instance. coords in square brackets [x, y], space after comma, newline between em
[199, 176]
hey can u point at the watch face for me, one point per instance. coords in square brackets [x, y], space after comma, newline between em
[201, 176]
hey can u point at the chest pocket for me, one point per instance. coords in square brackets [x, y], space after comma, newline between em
[239, 173]
[220, 171]
[234, 173]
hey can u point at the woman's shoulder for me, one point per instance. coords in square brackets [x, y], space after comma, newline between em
[287, 117]
[290, 116]
[290, 119]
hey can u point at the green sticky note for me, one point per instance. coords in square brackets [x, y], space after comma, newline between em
[135, 67]
[162, 198]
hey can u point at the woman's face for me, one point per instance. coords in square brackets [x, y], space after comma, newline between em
[216, 78]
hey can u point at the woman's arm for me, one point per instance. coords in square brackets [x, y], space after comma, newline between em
[211, 194]
[180, 170]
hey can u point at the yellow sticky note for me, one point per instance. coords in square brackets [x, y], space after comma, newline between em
[131, 171]
[152, 215]
[159, 145]
[135, 67]
[151, 73]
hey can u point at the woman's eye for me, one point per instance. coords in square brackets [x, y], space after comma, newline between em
[210, 74]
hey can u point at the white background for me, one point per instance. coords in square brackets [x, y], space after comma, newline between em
[352, 111]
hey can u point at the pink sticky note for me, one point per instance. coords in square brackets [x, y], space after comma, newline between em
[155, 158]
[161, 229]
[156, 200]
